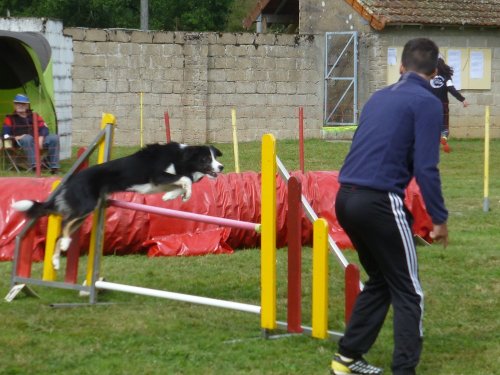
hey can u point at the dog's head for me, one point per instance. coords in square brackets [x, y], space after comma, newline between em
[202, 161]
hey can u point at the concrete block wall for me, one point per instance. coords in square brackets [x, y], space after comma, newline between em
[198, 78]
[62, 58]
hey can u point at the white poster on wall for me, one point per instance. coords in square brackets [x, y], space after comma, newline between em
[455, 61]
[476, 65]
[392, 56]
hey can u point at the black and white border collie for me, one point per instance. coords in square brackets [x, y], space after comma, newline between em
[169, 168]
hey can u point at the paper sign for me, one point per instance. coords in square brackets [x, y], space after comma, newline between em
[476, 65]
[455, 61]
[392, 56]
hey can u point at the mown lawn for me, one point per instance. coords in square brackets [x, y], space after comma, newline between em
[141, 335]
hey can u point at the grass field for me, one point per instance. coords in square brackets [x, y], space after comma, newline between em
[141, 335]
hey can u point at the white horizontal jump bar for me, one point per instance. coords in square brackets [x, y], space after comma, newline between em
[177, 296]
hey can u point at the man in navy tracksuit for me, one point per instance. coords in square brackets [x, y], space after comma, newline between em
[397, 138]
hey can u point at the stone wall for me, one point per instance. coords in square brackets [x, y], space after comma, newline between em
[198, 78]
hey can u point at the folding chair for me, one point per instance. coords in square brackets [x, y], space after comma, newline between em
[15, 156]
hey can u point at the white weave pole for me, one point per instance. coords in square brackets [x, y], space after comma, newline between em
[312, 216]
[177, 296]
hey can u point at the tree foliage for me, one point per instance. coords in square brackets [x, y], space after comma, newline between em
[185, 15]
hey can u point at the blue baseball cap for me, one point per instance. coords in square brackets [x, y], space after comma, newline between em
[20, 98]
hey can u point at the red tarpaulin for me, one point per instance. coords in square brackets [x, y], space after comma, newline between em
[232, 195]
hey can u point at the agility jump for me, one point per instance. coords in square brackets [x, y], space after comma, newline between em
[267, 229]
[99, 284]
[105, 285]
[21, 275]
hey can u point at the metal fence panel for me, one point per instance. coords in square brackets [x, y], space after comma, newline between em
[341, 86]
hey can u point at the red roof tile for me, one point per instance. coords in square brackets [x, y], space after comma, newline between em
[381, 13]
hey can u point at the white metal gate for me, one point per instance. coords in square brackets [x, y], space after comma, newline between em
[341, 84]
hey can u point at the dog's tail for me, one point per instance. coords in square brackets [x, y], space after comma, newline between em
[33, 209]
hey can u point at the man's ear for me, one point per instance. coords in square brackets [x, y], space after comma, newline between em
[434, 73]
[402, 69]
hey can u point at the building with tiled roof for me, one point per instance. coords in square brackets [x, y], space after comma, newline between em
[363, 40]
[462, 13]
[309, 14]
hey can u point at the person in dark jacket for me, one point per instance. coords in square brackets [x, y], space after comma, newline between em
[19, 127]
[442, 84]
[397, 139]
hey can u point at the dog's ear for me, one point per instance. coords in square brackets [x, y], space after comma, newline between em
[216, 151]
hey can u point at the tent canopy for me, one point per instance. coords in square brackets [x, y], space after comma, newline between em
[26, 67]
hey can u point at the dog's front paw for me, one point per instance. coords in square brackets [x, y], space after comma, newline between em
[186, 195]
[172, 194]
[186, 185]
[168, 196]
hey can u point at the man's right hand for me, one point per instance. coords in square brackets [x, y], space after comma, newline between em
[439, 233]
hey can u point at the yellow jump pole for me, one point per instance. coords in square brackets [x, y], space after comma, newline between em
[486, 199]
[103, 154]
[235, 142]
[53, 232]
[268, 234]
[320, 280]
[142, 128]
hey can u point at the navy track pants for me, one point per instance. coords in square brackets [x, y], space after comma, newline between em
[379, 226]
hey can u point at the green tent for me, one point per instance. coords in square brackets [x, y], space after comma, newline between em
[26, 68]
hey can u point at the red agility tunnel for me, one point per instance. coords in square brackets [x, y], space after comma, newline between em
[234, 196]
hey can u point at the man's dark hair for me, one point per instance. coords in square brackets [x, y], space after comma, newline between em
[420, 55]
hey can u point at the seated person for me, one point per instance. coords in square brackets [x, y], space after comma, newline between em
[19, 126]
